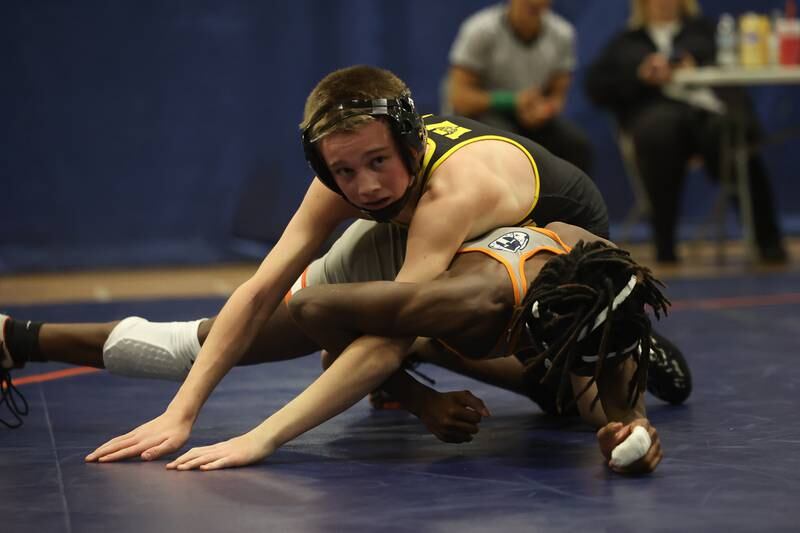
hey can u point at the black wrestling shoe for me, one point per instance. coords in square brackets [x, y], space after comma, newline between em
[10, 397]
[668, 376]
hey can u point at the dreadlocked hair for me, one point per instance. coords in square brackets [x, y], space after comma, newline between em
[569, 293]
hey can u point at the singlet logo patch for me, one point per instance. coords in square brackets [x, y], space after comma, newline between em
[513, 241]
[448, 129]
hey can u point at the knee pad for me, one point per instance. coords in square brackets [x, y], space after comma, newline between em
[142, 349]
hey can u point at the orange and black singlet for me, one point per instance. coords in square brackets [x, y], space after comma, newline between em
[512, 247]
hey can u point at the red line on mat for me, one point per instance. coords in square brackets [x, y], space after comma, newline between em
[57, 374]
[737, 301]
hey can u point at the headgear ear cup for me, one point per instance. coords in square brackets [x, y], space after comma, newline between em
[313, 155]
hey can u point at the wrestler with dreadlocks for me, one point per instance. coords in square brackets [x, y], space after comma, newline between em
[580, 325]
[587, 309]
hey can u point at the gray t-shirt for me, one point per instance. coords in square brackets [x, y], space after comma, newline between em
[486, 44]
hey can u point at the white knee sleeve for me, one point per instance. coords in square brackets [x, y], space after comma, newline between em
[142, 349]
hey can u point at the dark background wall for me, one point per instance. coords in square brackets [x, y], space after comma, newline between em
[158, 131]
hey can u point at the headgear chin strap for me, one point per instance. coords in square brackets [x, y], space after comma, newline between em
[407, 129]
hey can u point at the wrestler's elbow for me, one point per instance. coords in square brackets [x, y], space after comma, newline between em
[386, 361]
[249, 298]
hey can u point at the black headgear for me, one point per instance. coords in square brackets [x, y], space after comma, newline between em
[407, 129]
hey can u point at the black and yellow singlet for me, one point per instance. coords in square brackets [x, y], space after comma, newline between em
[563, 193]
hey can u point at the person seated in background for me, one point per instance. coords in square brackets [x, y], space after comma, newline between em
[510, 67]
[669, 124]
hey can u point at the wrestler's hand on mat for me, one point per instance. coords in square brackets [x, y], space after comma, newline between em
[239, 451]
[164, 434]
[614, 433]
[453, 416]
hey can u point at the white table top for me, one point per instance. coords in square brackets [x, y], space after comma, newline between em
[717, 76]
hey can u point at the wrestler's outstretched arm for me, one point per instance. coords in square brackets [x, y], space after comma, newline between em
[623, 418]
[242, 317]
[442, 221]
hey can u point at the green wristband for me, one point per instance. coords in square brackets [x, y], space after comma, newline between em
[502, 101]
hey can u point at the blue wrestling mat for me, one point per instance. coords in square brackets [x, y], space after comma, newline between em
[731, 454]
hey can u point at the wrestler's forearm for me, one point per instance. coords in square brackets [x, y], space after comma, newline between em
[252, 303]
[329, 313]
[233, 331]
[386, 308]
[466, 98]
[361, 368]
[411, 394]
[613, 386]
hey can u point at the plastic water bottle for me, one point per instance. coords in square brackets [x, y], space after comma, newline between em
[726, 41]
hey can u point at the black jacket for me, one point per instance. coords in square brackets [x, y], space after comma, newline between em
[612, 81]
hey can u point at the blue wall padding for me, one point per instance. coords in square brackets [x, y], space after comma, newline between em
[156, 132]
